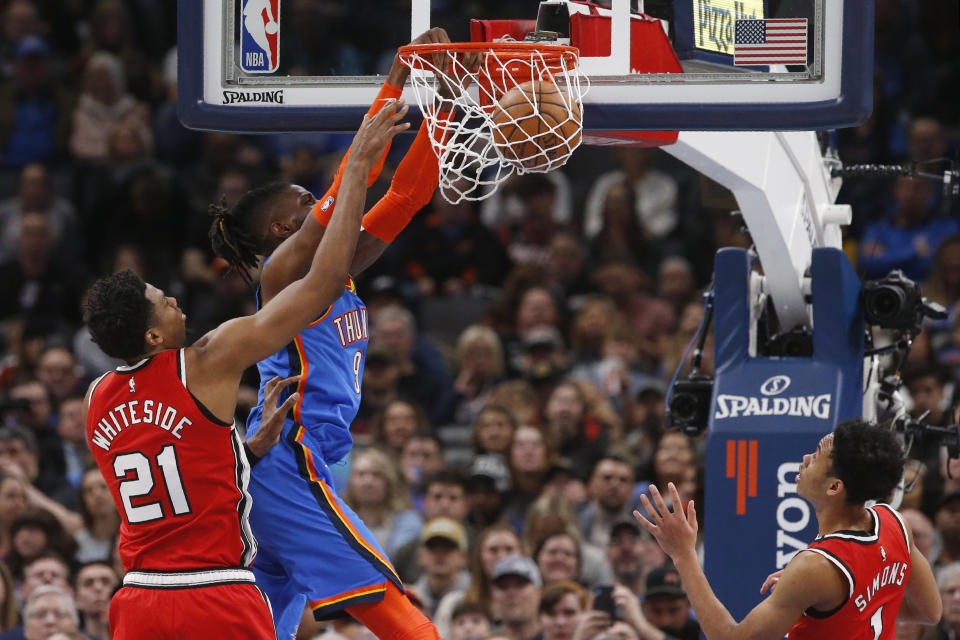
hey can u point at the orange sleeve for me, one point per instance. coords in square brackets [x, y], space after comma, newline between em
[324, 207]
[411, 189]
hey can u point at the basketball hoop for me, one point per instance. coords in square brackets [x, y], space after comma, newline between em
[535, 130]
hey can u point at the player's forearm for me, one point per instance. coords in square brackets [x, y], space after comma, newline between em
[714, 619]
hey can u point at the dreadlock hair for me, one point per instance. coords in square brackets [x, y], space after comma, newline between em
[868, 459]
[117, 313]
[234, 233]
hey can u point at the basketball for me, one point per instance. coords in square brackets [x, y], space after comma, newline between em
[533, 127]
[271, 28]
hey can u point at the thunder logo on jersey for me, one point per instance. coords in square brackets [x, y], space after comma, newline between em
[260, 36]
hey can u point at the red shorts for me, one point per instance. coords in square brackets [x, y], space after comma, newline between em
[212, 612]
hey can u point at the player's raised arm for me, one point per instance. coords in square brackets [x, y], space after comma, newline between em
[241, 342]
[291, 258]
[807, 580]
[921, 599]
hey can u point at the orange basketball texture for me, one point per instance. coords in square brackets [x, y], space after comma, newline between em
[533, 127]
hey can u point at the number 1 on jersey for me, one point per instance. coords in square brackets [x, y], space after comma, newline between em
[142, 483]
[876, 623]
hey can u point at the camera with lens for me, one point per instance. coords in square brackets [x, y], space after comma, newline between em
[894, 302]
[689, 405]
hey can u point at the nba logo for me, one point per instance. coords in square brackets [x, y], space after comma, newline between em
[260, 36]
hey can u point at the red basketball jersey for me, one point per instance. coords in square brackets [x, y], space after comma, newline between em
[178, 475]
[876, 565]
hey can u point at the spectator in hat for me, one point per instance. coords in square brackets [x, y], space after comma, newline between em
[34, 109]
[469, 621]
[666, 606]
[946, 519]
[443, 556]
[632, 553]
[645, 423]
[565, 481]
[611, 488]
[445, 495]
[516, 595]
[486, 485]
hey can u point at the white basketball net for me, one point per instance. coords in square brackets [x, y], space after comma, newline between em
[471, 162]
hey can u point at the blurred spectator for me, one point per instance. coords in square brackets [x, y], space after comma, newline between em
[469, 621]
[529, 459]
[423, 375]
[924, 536]
[39, 454]
[946, 518]
[47, 569]
[516, 594]
[9, 613]
[399, 423]
[381, 376]
[486, 486]
[34, 533]
[105, 103]
[444, 496]
[675, 283]
[493, 544]
[925, 384]
[34, 108]
[94, 585]
[666, 606]
[621, 236]
[674, 461]
[632, 553]
[73, 435]
[578, 436]
[48, 610]
[480, 356]
[59, 373]
[589, 329]
[443, 556]
[948, 580]
[101, 521]
[530, 238]
[376, 492]
[20, 19]
[566, 264]
[543, 360]
[566, 482]
[654, 195]
[492, 431]
[611, 489]
[35, 193]
[13, 502]
[36, 281]
[420, 458]
[558, 557]
[561, 606]
[909, 239]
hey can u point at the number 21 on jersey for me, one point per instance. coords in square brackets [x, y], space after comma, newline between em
[142, 481]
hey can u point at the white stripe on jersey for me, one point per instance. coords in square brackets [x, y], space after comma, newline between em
[245, 501]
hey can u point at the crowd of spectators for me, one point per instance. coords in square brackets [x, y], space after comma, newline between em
[513, 396]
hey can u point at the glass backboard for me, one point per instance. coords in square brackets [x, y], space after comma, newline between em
[287, 65]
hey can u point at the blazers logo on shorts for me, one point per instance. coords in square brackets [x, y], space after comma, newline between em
[260, 36]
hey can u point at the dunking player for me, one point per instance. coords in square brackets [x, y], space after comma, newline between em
[162, 435]
[314, 549]
[852, 581]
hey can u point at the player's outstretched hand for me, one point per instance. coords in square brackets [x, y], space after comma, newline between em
[399, 72]
[676, 530]
[271, 421]
[771, 581]
[376, 131]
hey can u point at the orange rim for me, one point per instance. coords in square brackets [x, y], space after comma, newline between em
[552, 57]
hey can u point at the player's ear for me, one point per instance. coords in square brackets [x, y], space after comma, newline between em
[835, 487]
[152, 338]
[281, 229]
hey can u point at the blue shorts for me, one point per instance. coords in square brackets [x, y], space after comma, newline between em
[313, 549]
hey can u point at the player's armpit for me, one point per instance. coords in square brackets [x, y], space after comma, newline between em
[809, 580]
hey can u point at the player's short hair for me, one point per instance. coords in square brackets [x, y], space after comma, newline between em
[236, 234]
[868, 459]
[118, 314]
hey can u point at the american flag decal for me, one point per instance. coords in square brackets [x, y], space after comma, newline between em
[773, 41]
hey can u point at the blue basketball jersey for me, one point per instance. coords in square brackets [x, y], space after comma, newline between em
[329, 354]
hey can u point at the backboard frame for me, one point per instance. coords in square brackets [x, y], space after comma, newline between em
[852, 107]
